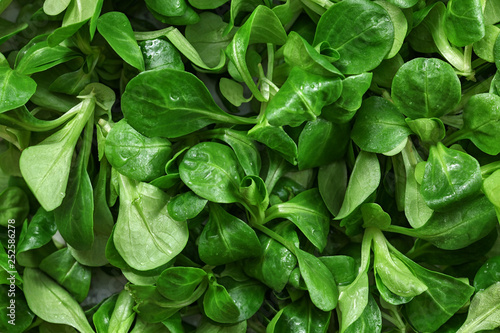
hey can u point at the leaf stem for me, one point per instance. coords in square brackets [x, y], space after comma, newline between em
[274, 235]
[145, 35]
[455, 136]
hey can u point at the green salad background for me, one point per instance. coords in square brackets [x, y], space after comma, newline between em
[215, 166]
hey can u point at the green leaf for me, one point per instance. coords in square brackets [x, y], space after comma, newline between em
[300, 316]
[179, 283]
[370, 320]
[302, 97]
[116, 29]
[353, 300]
[366, 167]
[185, 206]
[14, 205]
[275, 263]
[46, 166]
[103, 314]
[444, 297]
[450, 176]
[361, 23]
[145, 235]
[58, 306]
[275, 138]
[248, 295]
[55, 7]
[219, 306]
[482, 122]
[245, 149]
[65, 270]
[491, 188]
[308, 213]
[40, 230]
[134, 155]
[484, 48]
[208, 38]
[123, 315]
[263, 26]
[459, 227]
[159, 53]
[10, 29]
[226, 238]
[464, 22]
[38, 56]
[379, 126]
[298, 52]
[484, 311]
[212, 171]
[425, 87]
[393, 273]
[184, 107]
[353, 89]
[488, 274]
[332, 183]
[15, 89]
[319, 281]
[168, 7]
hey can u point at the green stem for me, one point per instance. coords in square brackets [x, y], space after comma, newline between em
[275, 236]
[152, 34]
[455, 136]
[488, 169]
[401, 230]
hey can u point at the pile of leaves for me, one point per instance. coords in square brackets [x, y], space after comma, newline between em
[250, 165]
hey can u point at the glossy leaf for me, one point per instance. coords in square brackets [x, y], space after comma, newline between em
[301, 316]
[47, 176]
[482, 121]
[40, 230]
[450, 176]
[179, 283]
[263, 26]
[159, 53]
[116, 29]
[14, 205]
[319, 281]
[63, 268]
[208, 38]
[225, 238]
[301, 98]
[134, 155]
[15, 89]
[123, 315]
[245, 149]
[434, 92]
[248, 295]
[275, 263]
[58, 306]
[145, 235]
[308, 213]
[219, 306]
[361, 22]
[332, 183]
[211, 170]
[464, 22]
[484, 311]
[186, 106]
[370, 320]
[379, 127]
[488, 274]
[367, 167]
[185, 206]
[298, 52]
[459, 227]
